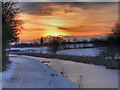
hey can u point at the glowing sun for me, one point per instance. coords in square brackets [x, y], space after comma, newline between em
[53, 31]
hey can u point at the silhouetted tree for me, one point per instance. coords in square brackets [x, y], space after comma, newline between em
[54, 43]
[116, 30]
[112, 49]
[114, 38]
[10, 28]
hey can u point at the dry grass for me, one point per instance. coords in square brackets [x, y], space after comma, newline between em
[114, 64]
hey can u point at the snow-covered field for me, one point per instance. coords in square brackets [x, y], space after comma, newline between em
[78, 45]
[26, 72]
[76, 52]
[80, 52]
[85, 75]
[43, 49]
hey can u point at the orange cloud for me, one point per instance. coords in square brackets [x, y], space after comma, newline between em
[74, 19]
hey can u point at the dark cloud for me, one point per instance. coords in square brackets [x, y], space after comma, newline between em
[34, 29]
[91, 5]
[75, 29]
[63, 28]
[42, 8]
[36, 8]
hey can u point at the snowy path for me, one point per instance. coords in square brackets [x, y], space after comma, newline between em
[30, 73]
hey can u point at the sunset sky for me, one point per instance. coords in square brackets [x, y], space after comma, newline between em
[68, 19]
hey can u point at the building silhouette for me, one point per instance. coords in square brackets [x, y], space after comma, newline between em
[41, 41]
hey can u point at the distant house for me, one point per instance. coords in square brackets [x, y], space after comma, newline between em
[36, 41]
[42, 41]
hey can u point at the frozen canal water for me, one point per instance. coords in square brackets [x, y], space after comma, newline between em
[85, 75]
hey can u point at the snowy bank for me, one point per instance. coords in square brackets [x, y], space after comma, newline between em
[26, 72]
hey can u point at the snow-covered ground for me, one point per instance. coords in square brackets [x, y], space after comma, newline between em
[43, 49]
[80, 52]
[76, 52]
[26, 72]
[79, 45]
[13, 55]
[85, 75]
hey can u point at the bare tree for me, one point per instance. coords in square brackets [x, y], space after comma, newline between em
[54, 43]
[111, 52]
[116, 30]
[10, 27]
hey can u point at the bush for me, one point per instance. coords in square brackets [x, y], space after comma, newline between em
[112, 64]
